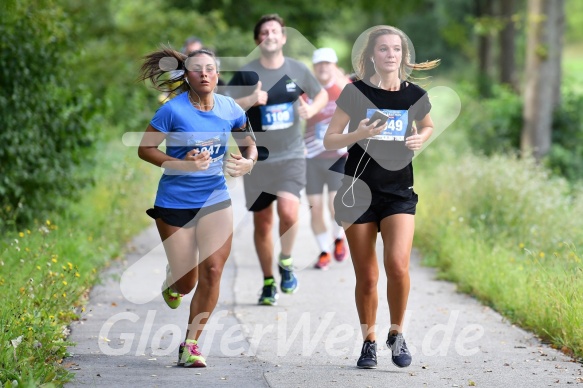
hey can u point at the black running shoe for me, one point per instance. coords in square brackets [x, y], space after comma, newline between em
[269, 293]
[368, 356]
[401, 356]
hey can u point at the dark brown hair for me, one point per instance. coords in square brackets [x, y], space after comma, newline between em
[267, 18]
[168, 60]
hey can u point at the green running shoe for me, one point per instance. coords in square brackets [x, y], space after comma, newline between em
[189, 356]
[171, 298]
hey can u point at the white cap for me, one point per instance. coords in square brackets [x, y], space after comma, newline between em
[325, 54]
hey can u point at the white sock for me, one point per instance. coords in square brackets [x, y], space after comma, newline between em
[337, 230]
[323, 241]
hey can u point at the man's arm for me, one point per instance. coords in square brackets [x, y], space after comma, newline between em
[308, 111]
[258, 97]
[245, 89]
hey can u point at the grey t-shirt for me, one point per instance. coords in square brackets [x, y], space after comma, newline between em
[276, 124]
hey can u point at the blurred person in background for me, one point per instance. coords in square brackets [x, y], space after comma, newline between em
[270, 88]
[324, 168]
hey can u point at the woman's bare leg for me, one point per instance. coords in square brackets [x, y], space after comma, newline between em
[397, 233]
[362, 240]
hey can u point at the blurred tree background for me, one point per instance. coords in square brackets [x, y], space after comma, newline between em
[68, 71]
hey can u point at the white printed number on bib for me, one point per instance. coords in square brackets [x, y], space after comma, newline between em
[213, 146]
[396, 125]
[279, 116]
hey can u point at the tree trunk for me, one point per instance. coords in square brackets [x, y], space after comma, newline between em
[557, 19]
[485, 10]
[542, 68]
[507, 61]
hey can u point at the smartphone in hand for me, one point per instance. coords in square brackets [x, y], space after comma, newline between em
[378, 115]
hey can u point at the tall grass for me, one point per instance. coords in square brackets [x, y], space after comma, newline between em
[507, 232]
[47, 269]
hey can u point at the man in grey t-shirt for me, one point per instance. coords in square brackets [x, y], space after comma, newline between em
[274, 84]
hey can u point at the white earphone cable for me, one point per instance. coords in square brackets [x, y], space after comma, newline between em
[355, 177]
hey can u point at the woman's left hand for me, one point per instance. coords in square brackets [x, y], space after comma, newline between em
[237, 165]
[415, 141]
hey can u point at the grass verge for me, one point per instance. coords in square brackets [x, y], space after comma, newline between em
[507, 232]
[47, 270]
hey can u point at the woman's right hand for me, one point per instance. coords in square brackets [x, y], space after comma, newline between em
[366, 130]
[200, 160]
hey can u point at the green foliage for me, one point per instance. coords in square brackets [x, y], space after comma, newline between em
[46, 115]
[63, 61]
[242, 16]
[46, 271]
[493, 125]
[439, 30]
[574, 21]
[117, 34]
[503, 229]
[566, 155]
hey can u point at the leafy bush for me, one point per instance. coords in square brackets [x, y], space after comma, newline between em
[566, 155]
[493, 125]
[46, 133]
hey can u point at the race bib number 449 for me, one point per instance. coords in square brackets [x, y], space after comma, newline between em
[396, 125]
[278, 116]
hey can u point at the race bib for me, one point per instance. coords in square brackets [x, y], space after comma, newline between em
[396, 124]
[279, 116]
[321, 129]
[213, 145]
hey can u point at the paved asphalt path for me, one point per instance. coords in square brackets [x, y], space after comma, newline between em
[128, 337]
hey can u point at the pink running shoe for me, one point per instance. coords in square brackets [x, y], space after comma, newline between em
[339, 249]
[323, 261]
